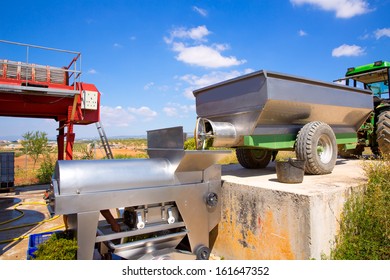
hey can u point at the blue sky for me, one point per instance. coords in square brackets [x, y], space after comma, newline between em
[146, 57]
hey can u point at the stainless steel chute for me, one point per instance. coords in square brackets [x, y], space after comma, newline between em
[169, 202]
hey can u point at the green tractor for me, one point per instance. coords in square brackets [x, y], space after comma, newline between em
[375, 132]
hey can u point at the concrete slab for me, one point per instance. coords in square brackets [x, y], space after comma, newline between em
[265, 219]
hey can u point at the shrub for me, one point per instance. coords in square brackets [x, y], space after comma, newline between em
[46, 170]
[35, 144]
[365, 225]
[60, 246]
[83, 151]
[189, 144]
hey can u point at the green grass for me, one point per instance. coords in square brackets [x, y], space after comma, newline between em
[365, 223]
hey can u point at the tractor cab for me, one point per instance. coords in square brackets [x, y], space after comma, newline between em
[374, 77]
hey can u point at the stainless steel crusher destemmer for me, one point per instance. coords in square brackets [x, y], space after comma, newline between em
[169, 201]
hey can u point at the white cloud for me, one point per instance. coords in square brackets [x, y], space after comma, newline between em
[342, 82]
[205, 56]
[148, 85]
[115, 116]
[200, 11]
[189, 44]
[120, 117]
[302, 33]
[170, 111]
[348, 50]
[342, 8]
[197, 82]
[117, 45]
[197, 34]
[365, 36]
[146, 113]
[384, 32]
[154, 87]
[92, 71]
[178, 110]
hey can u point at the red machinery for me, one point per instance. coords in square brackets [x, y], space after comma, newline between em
[36, 91]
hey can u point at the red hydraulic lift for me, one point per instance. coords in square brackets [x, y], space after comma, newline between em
[39, 91]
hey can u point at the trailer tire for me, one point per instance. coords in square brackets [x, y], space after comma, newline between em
[253, 158]
[383, 132]
[316, 144]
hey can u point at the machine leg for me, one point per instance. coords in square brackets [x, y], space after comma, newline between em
[87, 223]
[61, 140]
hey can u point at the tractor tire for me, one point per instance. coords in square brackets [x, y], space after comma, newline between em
[253, 158]
[383, 133]
[375, 150]
[316, 144]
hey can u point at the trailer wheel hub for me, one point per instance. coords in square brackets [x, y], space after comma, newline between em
[324, 149]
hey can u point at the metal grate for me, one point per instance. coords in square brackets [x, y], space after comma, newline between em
[26, 72]
[40, 74]
[12, 70]
[2, 61]
[57, 76]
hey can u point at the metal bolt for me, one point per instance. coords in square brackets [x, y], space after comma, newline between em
[140, 222]
[171, 219]
[212, 199]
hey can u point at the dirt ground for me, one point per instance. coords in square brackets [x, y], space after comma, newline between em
[25, 161]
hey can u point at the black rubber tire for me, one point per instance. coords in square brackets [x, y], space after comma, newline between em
[383, 133]
[316, 144]
[253, 158]
[375, 150]
[203, 253]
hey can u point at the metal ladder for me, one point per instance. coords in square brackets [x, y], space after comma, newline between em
[104, 140]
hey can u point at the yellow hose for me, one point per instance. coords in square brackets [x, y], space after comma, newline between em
[14, 219]
[27, 235]
[26, 225]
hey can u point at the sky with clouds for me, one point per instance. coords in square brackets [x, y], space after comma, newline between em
[146, 57]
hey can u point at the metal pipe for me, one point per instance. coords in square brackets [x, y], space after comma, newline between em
[38, 47]
[221, 134]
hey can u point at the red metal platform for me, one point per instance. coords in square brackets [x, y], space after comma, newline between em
[38, 91]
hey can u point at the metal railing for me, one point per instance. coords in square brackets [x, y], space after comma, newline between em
[72, 71]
